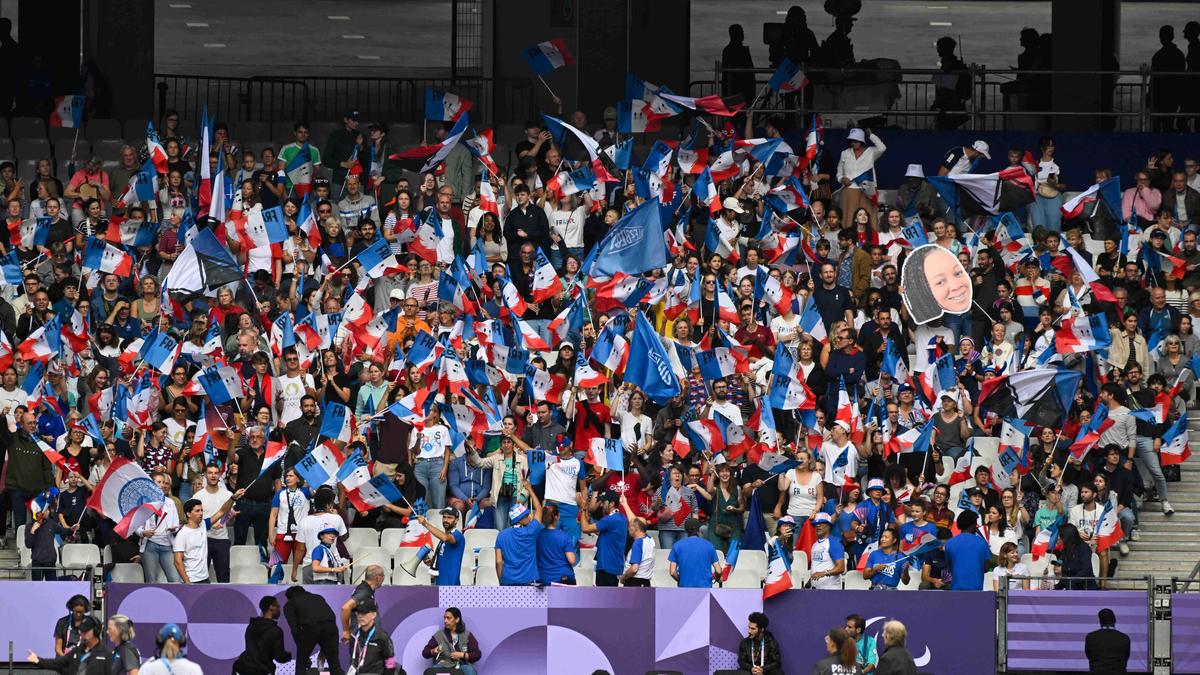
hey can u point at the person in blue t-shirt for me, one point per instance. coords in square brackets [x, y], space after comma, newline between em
[912, 531]
[694, 562]
[886, 567]
[555, 550]
[967, 554]
[611, 531]
[448, 554]
[874, 513]
[516, 547]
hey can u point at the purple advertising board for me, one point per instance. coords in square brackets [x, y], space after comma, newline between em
[947, 632]
[520, 631]
[39, 605]
[1046, 629]
[1185, 632]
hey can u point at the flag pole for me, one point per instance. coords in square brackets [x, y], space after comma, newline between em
[552, 94]
[75, 142]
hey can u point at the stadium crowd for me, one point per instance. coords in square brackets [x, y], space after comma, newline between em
[261, 330]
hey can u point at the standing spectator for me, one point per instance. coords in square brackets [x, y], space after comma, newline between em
[191, 542]
[526, 223]
[340, 152]
[855, 161]
[1166, 91]
[27, 471]
[448, 553]
[828, 555]
[264, 642]
[952, 86]
[516, 547]
[610, 531]
[694, 562]
[431, 455]
[967, 554]
[737, 55]
[555, 550]
[254, 506]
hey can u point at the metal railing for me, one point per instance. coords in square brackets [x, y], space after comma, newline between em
[287, 99]
[1000, 100]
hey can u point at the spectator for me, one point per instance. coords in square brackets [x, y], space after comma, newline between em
[856, 162]
[516, 558]
[448, 553]
[896, 660]
[967, 554]
[694, 562]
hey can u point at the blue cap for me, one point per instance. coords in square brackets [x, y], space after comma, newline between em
[875, 484]
[517, 512]
[169, 632]
[822, 517]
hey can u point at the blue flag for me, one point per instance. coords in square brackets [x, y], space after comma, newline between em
[649, 366]
[537, 466]
[634, 245]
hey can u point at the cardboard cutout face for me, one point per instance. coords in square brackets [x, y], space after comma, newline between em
[933, 283]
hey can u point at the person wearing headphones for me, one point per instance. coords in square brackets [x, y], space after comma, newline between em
[171, 661]
[89, 657]
[66, 631]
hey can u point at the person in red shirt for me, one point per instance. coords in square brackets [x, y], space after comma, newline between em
[754, 335]
[591, 416]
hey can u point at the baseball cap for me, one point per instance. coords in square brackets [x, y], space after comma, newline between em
[732, 204]
[843, 424]
[610, 113]
[610, 496]
[822, 519]
[903, 388]
[875, 484]
[1158, 234]
[396, 294]
[352, 114]
[328, 530]
[366, 605]
[448, 511]
[982, 148]
[89, 622]
[786, 520]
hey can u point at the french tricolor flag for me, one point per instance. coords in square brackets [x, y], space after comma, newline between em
[74, 332]
[611, 349]
[546, 57]
[104, 257]
[769, 288]
[788, 78]
[545, 385]
[788, 196]
[320, 467]
[160, 351]
[377, 259]
[68, 112]
[606, 453]
[585, 375]
[568, 183]
[706, 434]
[43, 343]
[1175, 443]
[546, 282]
[158, 155]
[222, 384]
[487, 198]
[706, 191]
[442, 106]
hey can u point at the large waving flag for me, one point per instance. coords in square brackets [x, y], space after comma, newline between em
[104, 257]
[429, 156]
[1046, 540]
[649, 365]
[127, 496]
[1040, 396]
[787, 389]
[546, 282]
[1083, 334]
[559, 130]
[727, 106]
[160, 351]
[223, 384]
[811, 322]
[442, 106]
[1108, 528]
[606, 454]
[546, 57]
[320, 467]
[204, 265]
[633, 246]
[975, 194]
[1099, 207]
[336, 422]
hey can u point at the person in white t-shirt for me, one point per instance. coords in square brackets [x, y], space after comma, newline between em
[191, 542]
[834, 450]
[212, 497]
[289, 506]
[432, 446]
[566, 228]
[291, 386]
[324, 515]
[828, 555]
[720, 403]
[639, 562]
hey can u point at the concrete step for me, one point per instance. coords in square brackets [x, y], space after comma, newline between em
[1166, 536]
[1163, 555]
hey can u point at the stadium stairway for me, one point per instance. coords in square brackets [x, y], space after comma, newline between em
[1168, 546]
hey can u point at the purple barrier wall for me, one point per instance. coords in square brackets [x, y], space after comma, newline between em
[1185, 632]
[1046, 629]
[40, 604]
[520, 630]
[970, 647]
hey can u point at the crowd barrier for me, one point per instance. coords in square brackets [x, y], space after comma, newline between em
[562, 629]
